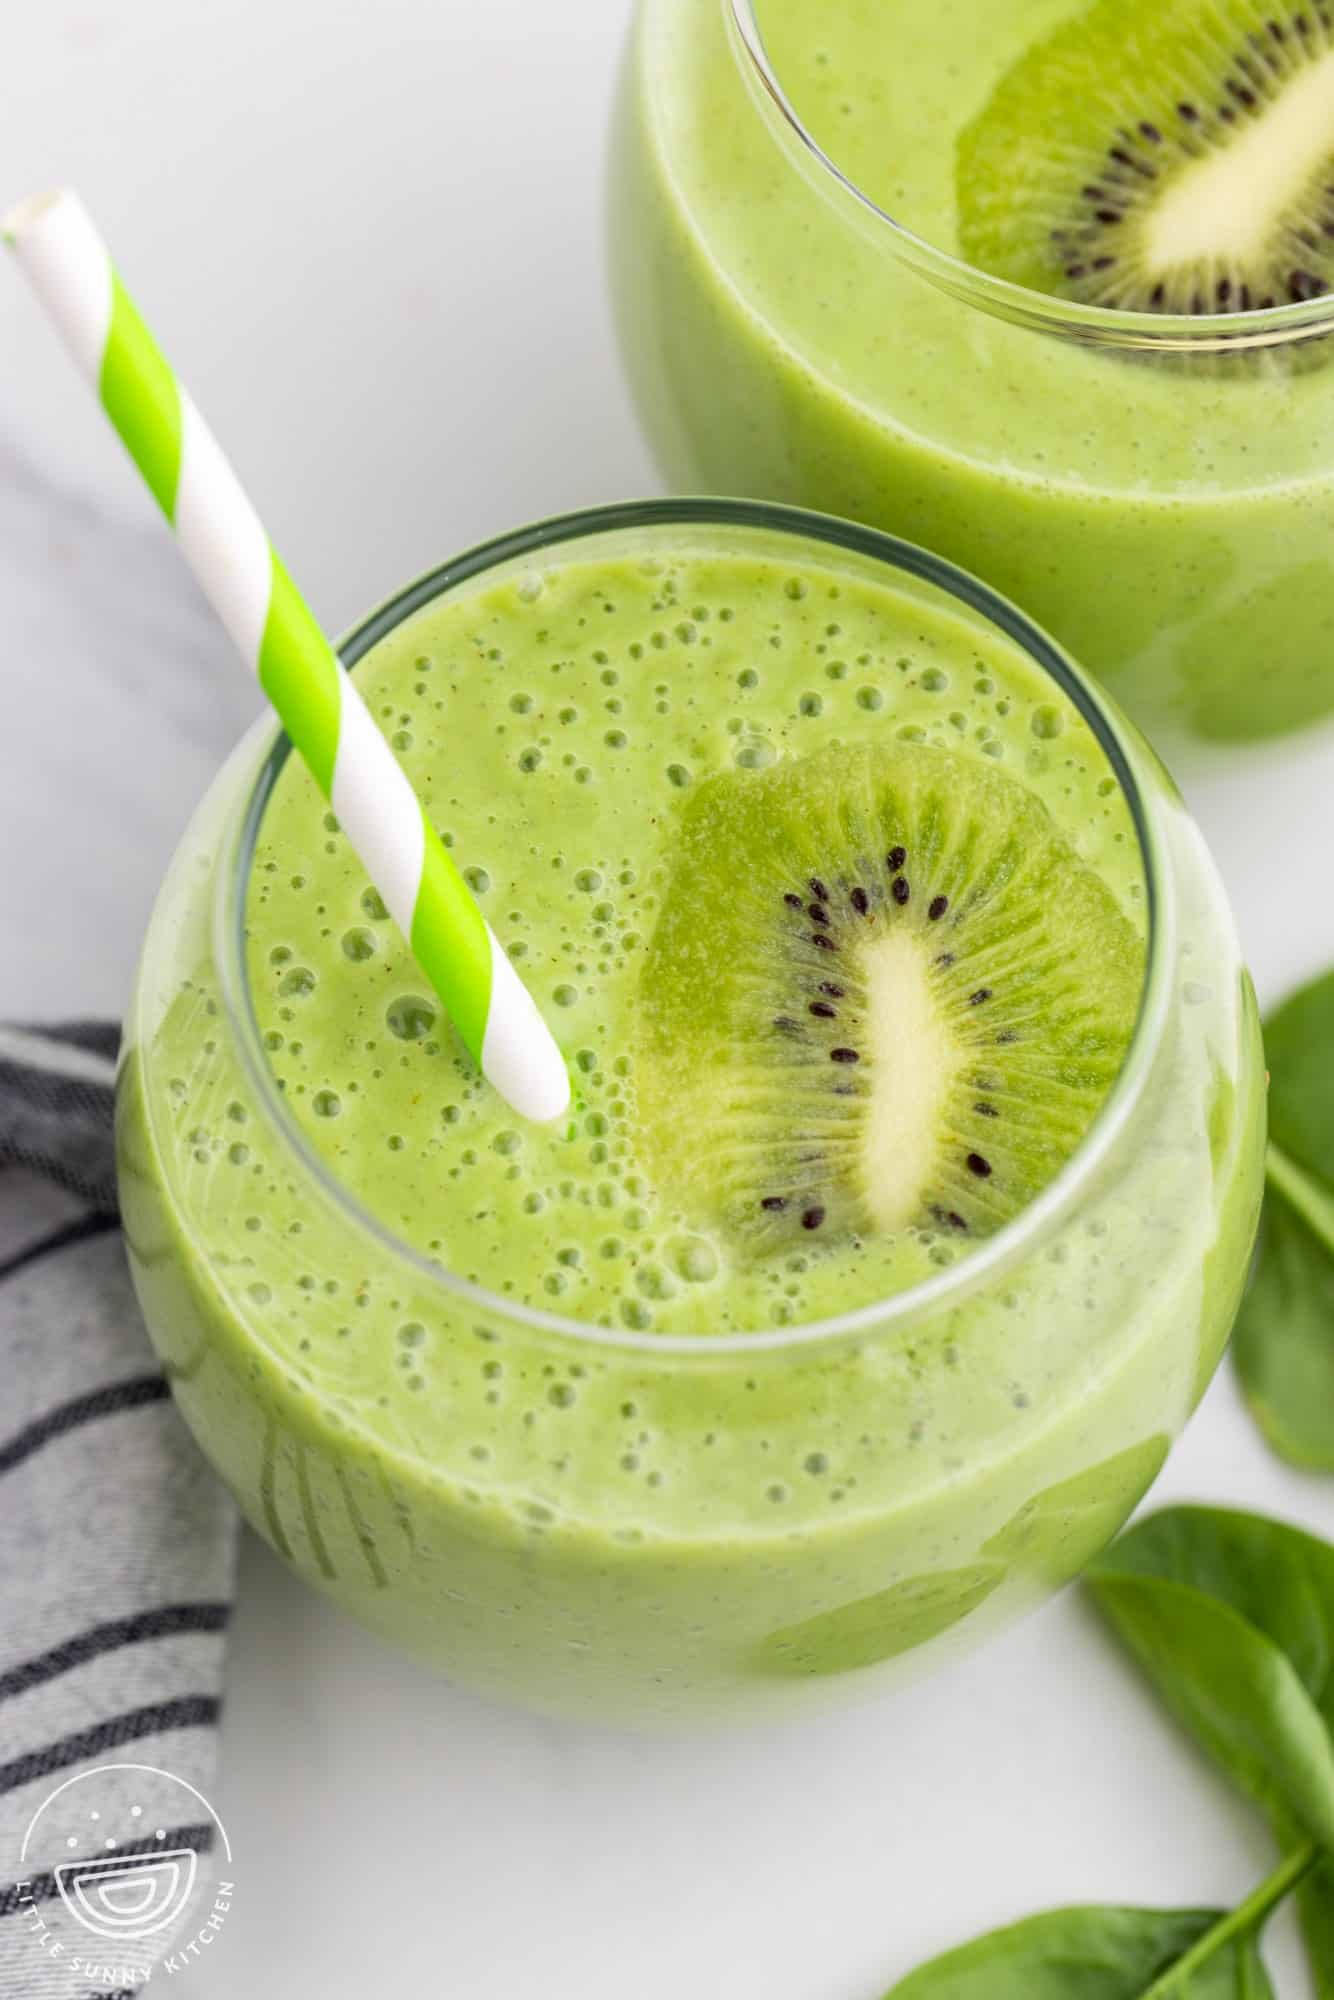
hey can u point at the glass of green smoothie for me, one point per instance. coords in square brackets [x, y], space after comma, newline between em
[1042, 286]
[916, 1153]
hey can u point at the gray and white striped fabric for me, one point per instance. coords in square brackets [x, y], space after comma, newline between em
[117, 1545]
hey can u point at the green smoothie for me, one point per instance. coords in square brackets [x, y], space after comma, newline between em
[593, 706]
[1168, 519]
[538, 1402]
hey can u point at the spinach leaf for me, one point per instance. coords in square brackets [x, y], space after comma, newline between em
[1284, 1340]
[1315, 1902]
[1299, 1047]
[1232, 1618]
[1097, 1953]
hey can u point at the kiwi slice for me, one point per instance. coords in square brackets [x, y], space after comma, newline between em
[883, 991]
[1172, 156]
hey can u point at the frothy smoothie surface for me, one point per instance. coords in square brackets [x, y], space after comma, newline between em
[594, 739]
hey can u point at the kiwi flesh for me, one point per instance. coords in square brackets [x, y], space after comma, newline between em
[883, 992]
[1163, 156]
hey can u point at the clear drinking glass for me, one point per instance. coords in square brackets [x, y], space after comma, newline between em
[1157, 492]
[982, 1435]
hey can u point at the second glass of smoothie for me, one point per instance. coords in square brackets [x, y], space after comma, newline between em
[916, 1155]
[798, 190]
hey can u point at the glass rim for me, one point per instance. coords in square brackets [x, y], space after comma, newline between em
[953, 1282]
[1092, 325]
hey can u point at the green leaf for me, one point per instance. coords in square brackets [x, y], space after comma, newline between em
[1285, 1332]
[1097, 1953]
[1232, 1618]
[1284, 1339]
[1299, 1046]
[1315, 1902]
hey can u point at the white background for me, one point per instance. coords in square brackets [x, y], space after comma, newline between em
[371, 239]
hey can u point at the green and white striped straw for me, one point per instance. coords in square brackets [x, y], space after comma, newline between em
[224, 542]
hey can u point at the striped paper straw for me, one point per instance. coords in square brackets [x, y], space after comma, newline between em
[225, 545]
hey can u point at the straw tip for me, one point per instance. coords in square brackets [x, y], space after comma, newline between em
[519, 1053]
[546, 1089]
[24, 215]
[529, 1070]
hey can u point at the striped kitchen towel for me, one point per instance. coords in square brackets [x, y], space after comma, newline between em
[117, 1549]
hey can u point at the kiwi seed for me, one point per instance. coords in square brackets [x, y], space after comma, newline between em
[1161, 156]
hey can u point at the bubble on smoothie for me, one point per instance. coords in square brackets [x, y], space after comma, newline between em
[653, 1281]
[373, 903]
[565, 996]
[359, 943]
[411, 1334]
[410, 1017]
[326, 1104]
[756, 755]
[692, 1258]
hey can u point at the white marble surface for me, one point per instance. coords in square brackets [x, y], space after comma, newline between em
[371, 238]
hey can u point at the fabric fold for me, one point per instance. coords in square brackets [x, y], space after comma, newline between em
[117, 1542]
